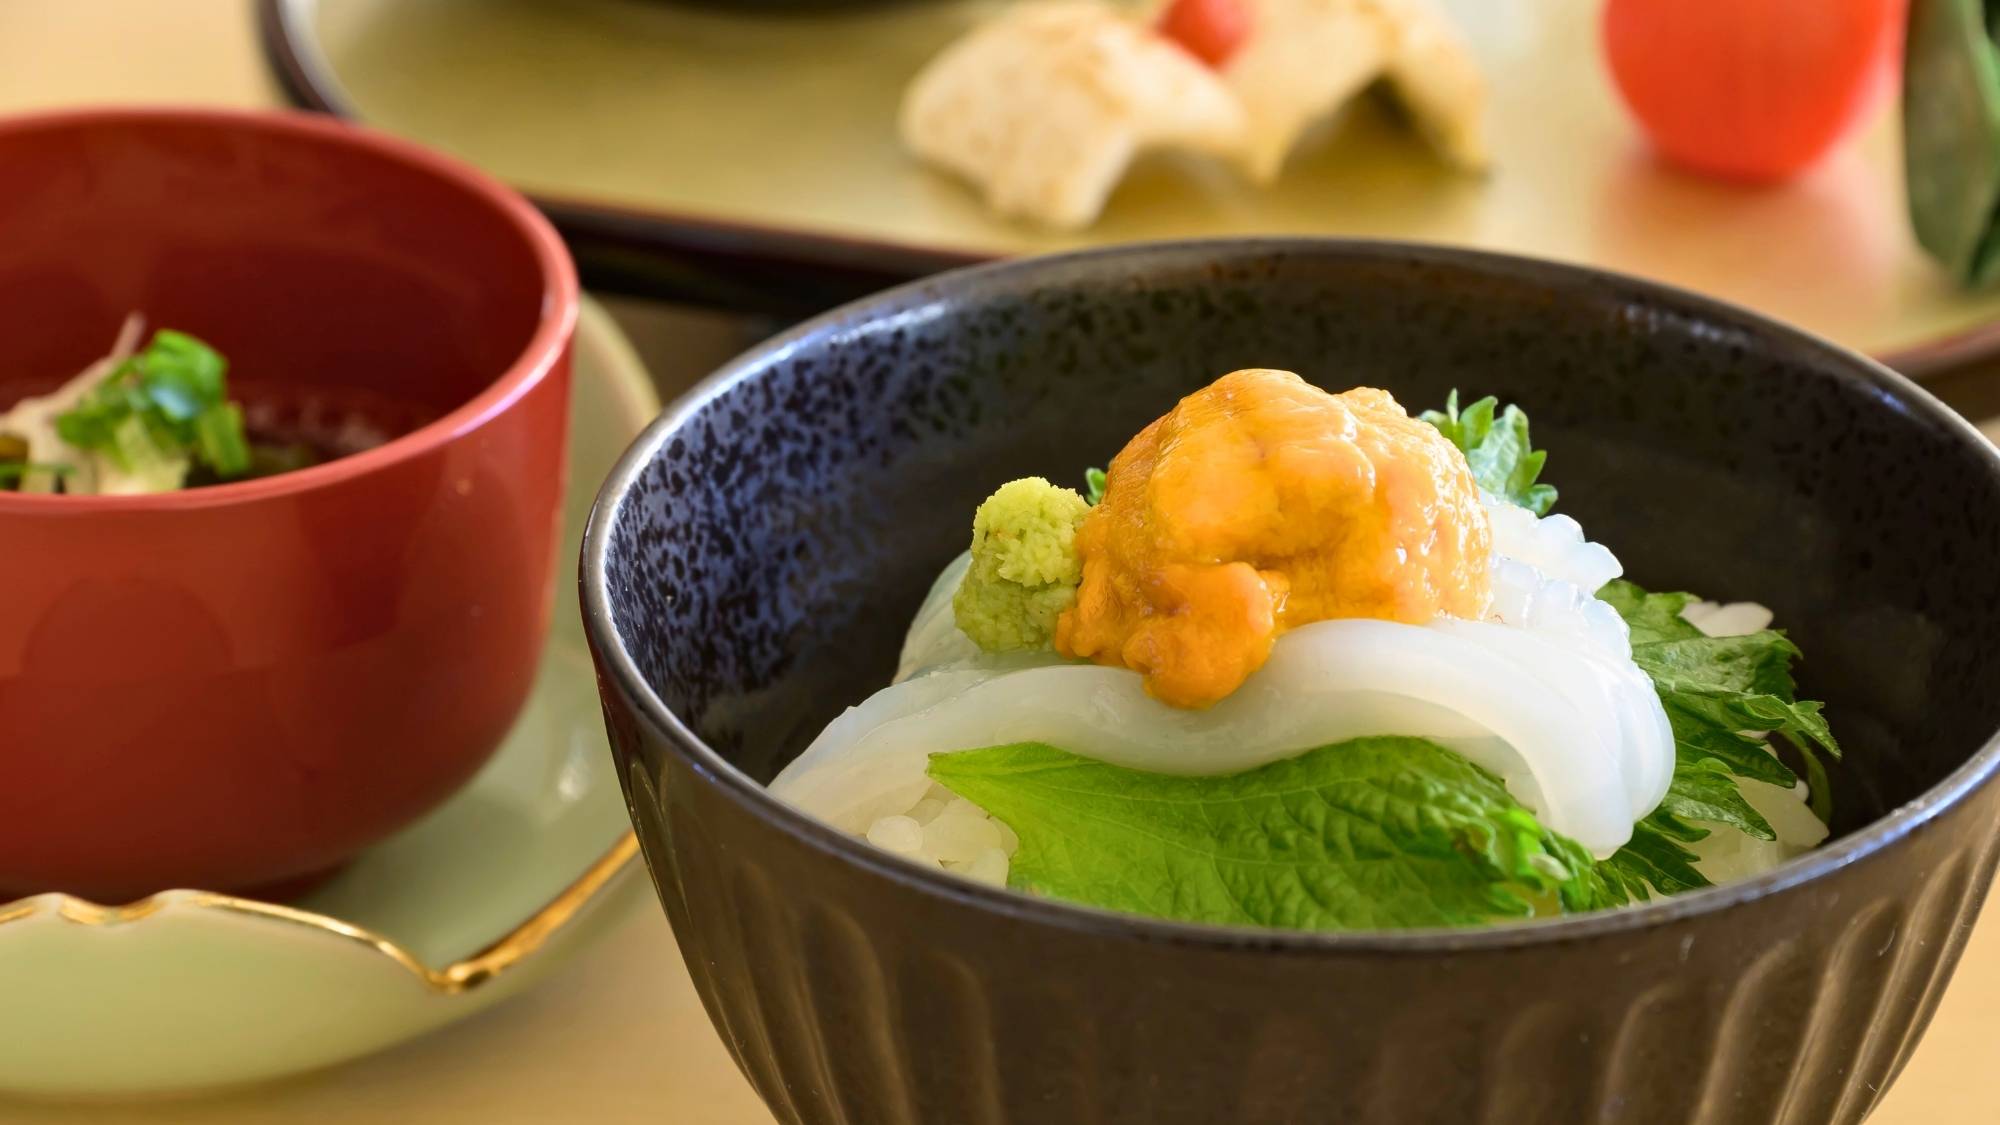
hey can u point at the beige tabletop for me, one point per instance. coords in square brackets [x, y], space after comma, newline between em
[619, 1036]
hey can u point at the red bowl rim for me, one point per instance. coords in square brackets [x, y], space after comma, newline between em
[554, 326]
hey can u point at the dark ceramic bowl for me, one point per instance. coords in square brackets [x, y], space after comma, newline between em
[754, 561]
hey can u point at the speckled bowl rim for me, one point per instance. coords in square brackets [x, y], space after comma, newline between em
[1125, 261]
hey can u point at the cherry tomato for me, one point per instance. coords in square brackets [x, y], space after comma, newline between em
[1751, 89]
[1211, 30]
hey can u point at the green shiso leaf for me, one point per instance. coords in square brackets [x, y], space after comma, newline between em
[1650, 617]
[1368, 834]
[1497, 449]
[1714, 690]
[1704, 789]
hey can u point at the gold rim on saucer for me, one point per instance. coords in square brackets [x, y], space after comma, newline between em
[458, 977]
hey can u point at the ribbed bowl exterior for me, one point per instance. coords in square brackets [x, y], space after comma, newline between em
[852, 999]
[754, 562]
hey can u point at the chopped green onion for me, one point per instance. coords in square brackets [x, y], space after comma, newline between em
[219, 439]
[168, 403]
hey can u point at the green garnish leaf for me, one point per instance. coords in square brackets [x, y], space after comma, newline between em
[1372, 833]
[180, 358]
[1819, 790]
[1714, 689]
[1654, 860]
[1705, 789]
[137, 447]
[1650, 617]
[219, 440]
[167, 404]
[92, 422]
[1951, 135]
[1497, 449]
[11, 472]
[1093, 486]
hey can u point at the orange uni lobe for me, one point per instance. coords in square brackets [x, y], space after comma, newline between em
[1262, 503]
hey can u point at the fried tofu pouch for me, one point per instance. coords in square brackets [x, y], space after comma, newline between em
[1046, 106]
[1308, 58]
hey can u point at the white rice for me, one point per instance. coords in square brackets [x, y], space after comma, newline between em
[950, 832]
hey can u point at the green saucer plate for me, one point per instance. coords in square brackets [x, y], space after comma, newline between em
[189, 990]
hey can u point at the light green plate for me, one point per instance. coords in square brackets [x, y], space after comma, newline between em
[188, 990]
[745, 128]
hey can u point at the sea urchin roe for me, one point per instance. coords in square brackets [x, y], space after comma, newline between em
[1262, 503]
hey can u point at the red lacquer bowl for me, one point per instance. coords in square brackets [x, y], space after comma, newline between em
[239, 687]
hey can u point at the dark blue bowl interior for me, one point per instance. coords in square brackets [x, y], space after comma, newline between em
[765, 563]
